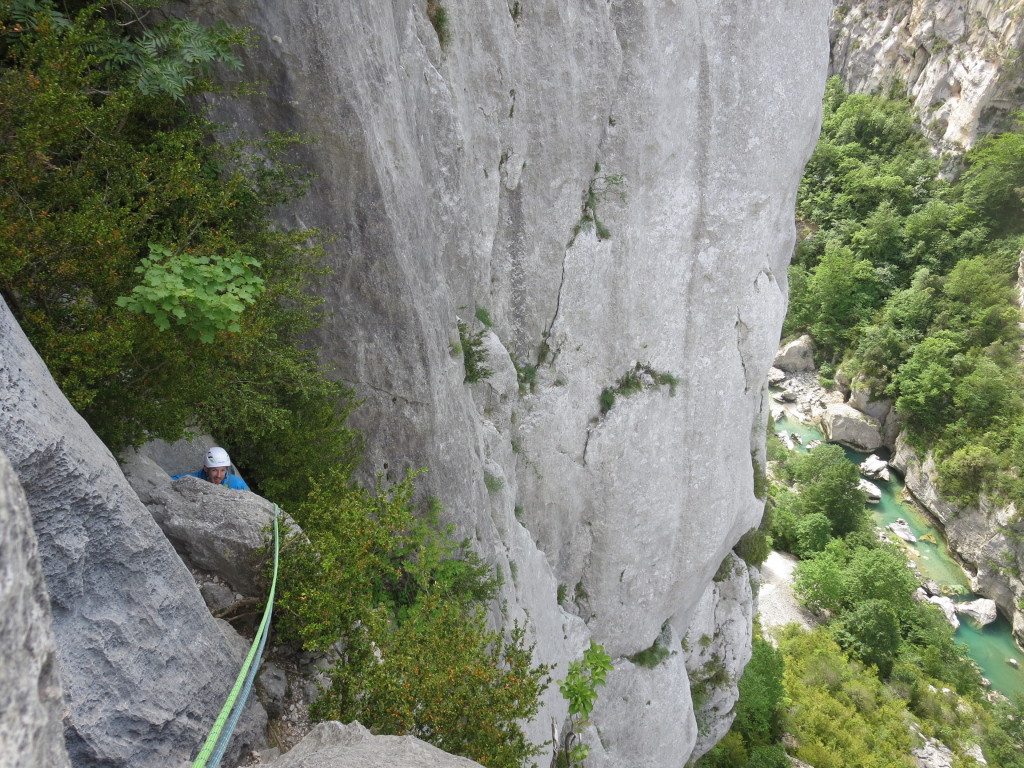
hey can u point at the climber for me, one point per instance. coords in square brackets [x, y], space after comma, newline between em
[217, 469]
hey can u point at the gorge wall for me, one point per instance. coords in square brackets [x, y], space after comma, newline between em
[463, 169]
[959, 60]
[611, 184]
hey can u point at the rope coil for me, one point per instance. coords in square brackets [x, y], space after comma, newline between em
[224, 726]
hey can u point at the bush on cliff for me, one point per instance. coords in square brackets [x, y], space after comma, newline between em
[402, 607]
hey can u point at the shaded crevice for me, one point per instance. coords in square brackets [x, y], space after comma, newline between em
[395, 397]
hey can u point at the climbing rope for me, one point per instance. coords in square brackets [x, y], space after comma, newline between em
[224, 726]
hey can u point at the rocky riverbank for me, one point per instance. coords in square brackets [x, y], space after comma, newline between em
[846, 414]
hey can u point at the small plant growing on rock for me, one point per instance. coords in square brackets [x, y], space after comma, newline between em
[637, 379]
[474, 356]
[439, 19]
[579, 688]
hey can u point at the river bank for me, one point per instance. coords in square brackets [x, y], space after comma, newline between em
[993, 646]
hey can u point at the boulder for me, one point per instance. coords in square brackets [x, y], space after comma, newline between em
[144, 667]
[860, 398]
[902, 529]
[775, 376]
[333, 745]
[875, 468]
[948, 608]
[798, 355]
[214, 529]
[983, 611]
[874, 493]
[848, 426]
[31, 705]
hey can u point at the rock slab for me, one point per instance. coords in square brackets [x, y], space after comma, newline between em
[31, 705]
[143, 665]
[333, 745]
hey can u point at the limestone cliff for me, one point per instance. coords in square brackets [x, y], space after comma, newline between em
[611, 186]
[959, 60]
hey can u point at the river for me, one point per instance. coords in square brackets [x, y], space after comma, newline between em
[990, 646]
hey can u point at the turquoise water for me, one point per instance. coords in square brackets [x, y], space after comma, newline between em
[990, 646]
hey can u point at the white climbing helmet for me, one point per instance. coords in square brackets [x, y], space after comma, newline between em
[217, 457]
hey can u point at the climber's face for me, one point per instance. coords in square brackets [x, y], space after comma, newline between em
[216, 474]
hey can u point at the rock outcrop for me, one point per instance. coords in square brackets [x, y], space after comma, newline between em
[982, 611]
[213, 529]
[614, 184]
[958, 59]
[333, 745]
[846, 425]
[797, 356]
[143, 665]
[31, 705]
[717, 649]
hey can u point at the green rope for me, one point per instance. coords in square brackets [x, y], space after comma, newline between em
[258, 642]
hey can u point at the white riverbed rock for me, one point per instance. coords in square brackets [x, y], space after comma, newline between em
[455, 177]
[796, 356]
[847, 426]
[983, 611]
[902, 529]
[873, 492]
[948, 608]
[875, 468]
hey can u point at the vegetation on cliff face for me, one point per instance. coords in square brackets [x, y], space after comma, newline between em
[908, 280]
[139, 254]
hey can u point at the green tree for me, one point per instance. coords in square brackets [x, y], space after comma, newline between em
[871, 632]
[993, 184]
[839, 292]
[403, 607]
[759, 709]
[924, 385]
[829, 485]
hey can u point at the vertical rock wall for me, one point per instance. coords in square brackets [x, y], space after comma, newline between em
[463, 168]
[959, 60]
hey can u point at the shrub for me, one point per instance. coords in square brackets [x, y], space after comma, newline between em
[407, 604]
[474, 355]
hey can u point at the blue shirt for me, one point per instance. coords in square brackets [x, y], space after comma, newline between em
[230, 480]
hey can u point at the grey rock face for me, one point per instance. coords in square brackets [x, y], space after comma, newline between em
[955, 57]
[718, 649]
[213, 528]
[143, 665]
[31, 733]
[333, 745]
[469, 176]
